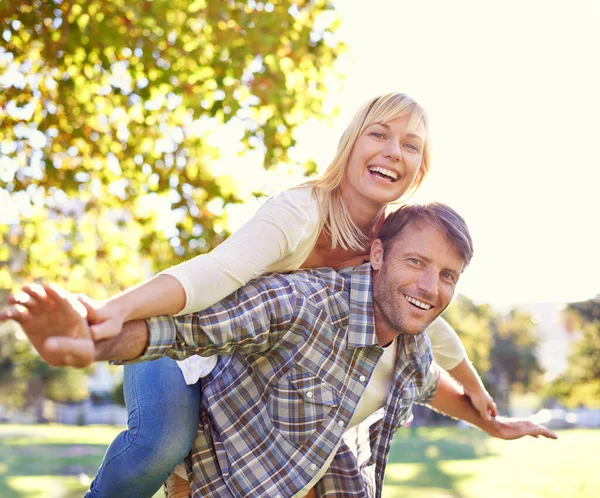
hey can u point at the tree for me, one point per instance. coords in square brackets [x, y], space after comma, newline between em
[110, 113]
[110, 109]
[579, 385]
[26, 381]
[502, 347]
[514, 360]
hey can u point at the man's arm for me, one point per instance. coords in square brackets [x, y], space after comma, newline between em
[248, 320]
[450, 400]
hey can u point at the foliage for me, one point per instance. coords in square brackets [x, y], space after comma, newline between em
[502, 347]
[579, 385]
[118, 394]
[112, 114]
[474, 325]
[25, 380]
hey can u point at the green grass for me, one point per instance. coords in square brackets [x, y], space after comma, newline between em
[44, 461]
[465, 463]
[51, 461]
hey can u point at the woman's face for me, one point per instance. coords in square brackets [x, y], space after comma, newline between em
[384, 162]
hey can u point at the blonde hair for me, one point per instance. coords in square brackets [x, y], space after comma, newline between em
[334, 215]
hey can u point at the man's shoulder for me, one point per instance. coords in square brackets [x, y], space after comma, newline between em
[311, 280]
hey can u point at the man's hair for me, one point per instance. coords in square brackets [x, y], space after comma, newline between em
[451, 224]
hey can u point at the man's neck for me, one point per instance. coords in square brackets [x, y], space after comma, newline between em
[385, 333]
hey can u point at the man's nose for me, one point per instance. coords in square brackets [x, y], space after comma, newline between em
[428, 284]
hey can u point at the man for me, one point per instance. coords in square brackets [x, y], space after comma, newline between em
[318, 368]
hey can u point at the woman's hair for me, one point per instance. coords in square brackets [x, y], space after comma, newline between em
[334, 215]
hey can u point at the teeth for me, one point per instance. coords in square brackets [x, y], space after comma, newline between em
[384, 171]
[416, 302]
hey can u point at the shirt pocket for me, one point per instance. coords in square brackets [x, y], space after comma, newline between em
[299, 403]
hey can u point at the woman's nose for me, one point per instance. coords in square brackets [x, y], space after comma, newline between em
[392, 151]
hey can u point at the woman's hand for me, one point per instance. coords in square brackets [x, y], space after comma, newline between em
[482, 402]
[46, 314]
[474, 389]
[106, 319]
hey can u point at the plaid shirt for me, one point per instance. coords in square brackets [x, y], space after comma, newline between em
[297, 351]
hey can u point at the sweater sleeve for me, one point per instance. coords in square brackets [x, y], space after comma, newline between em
[284, 225]
[446, 347]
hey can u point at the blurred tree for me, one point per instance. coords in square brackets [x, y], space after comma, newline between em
[108, 118]
[579, 385]
[26, 381]
[474, 325]
[514, 361]
[503, 348]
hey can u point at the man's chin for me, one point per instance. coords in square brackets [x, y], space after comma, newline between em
[418, 327]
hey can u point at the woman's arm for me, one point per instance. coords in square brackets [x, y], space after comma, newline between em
[285, 224]
[161, 295]
[450, 354]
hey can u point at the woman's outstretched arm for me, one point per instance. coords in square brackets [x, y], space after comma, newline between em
[449, 353]
[286, 226]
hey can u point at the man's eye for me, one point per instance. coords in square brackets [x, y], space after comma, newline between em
[414, 261]
[448, 276]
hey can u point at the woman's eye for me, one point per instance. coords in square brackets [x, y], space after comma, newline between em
[412, 147]
[376, 134]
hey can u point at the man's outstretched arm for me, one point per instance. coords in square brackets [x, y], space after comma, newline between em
[450, 400]
[129, 344]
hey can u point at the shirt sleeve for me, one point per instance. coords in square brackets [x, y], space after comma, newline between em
[248, 321]
[430, 386]
[446, 347]
[282, 226]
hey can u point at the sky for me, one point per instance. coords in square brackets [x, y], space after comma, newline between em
[512, 90]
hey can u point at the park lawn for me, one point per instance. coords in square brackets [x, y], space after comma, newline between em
[51, 461]
[56, 461]
[465, 463]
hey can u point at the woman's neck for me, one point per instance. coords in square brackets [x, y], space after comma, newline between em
[365, 215]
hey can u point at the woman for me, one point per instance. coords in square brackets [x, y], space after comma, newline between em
[331, 221]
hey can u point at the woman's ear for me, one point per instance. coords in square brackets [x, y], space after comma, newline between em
[376, 254]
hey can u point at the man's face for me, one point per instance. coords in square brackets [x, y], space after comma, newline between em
[414, 280]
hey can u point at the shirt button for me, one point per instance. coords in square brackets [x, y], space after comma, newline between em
[340, 423]
[402, 421]
[312, 467]
[309, 394]
[362, 378]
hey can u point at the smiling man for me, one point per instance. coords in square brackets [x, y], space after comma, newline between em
[317, 369]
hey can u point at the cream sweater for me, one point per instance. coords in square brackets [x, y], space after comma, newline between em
[279, 238]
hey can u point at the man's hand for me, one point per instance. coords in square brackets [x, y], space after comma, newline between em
[451, 400]
[512, 428]
[52, 317]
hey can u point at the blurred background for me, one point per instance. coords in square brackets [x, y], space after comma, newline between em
[135, 136]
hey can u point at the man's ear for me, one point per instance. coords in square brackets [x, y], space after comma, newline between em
[376, 255]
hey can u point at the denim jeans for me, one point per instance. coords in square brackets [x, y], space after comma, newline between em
[162, 419]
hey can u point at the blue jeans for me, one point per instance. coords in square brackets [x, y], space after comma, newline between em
[162, 419]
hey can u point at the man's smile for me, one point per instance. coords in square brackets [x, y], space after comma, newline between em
[417, 303]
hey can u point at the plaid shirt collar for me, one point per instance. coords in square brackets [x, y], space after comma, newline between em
[361, 327]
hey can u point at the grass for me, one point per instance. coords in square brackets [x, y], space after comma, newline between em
[51, 461]
[465, 463]
[54, 461]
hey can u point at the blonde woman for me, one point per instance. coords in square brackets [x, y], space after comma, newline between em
[382, 156]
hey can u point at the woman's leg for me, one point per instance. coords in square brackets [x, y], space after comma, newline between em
[162, 419]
